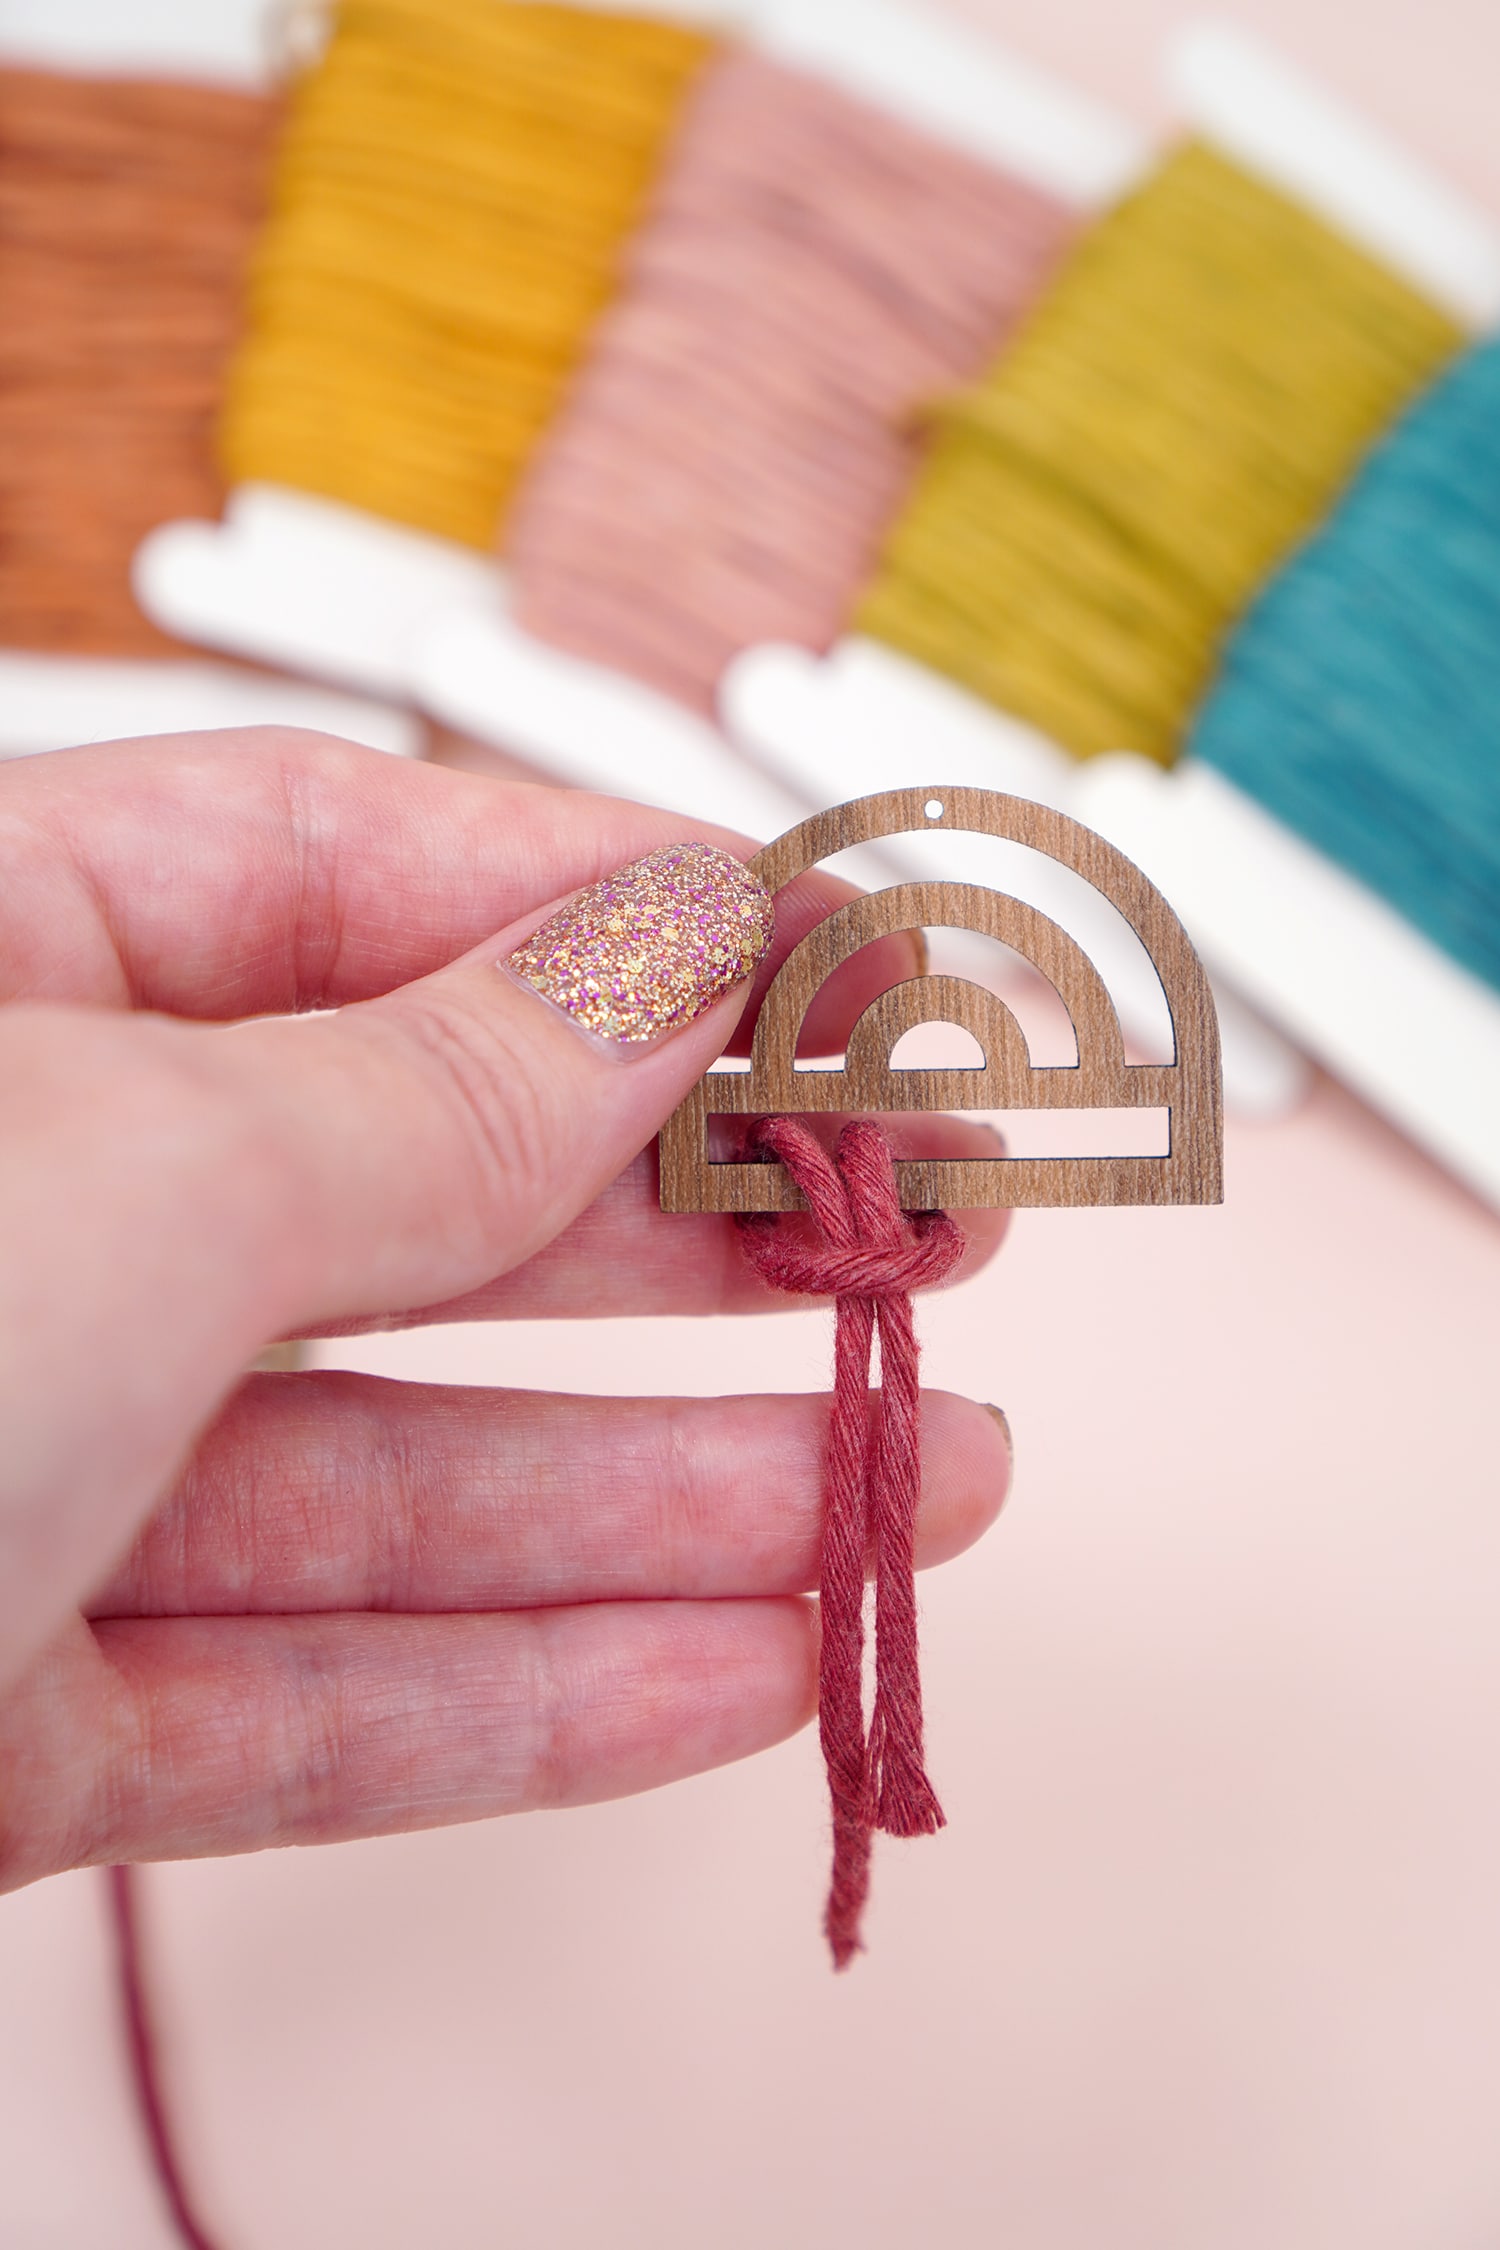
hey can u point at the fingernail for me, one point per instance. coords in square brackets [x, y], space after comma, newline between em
[649, 948]
[999, 1414]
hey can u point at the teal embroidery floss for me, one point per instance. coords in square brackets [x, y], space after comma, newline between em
[1360, 700]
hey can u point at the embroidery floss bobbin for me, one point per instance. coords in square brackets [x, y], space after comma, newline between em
[741, 500]
[128, 208]
[1332, 834]
[451, 194]
[1180, 407]
[1358, 702]
[812, 270]
[454, 190]
[1339, 874]
[879, 712]
[342, 592]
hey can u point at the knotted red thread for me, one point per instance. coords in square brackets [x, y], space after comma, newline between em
[871, 1258]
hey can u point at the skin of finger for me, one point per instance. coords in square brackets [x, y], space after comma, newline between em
[331, 1491]
[266, 870]
[171, 1195]
[136, 1284]
[624, 1256]
[429, 1142]
[179, 1738]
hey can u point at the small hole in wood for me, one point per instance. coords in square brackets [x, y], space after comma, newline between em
[934, 808]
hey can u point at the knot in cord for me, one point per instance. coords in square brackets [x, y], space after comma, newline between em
[870, 1258]
[865, 1271]
[870, 1247]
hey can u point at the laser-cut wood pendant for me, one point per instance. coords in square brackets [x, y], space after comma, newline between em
[1188, 1087]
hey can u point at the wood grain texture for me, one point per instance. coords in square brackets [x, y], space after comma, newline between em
[865, 1084]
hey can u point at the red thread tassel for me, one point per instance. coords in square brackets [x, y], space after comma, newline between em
[870, 1259]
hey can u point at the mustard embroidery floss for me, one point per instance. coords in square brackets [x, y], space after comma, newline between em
[1181, 407]
[454, 187]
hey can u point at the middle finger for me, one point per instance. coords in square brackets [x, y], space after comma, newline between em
[332, 1491]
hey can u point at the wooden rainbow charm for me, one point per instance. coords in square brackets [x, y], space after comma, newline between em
[1188, 1087]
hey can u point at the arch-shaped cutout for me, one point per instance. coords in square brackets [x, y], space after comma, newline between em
[1004, 1061]
[981, 1015]
[957, 1048]
[1097, 1078]
[996, 968]
[1187, 1087]
[1002, 864]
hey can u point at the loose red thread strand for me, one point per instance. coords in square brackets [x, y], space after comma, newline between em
[145, 2071]
[870, 1259]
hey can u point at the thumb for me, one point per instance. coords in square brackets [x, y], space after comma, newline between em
[429, 1140]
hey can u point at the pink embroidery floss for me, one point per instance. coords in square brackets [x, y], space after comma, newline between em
[871, 1258]
[743, 428]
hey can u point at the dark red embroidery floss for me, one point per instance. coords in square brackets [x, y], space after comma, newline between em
[145, 2071]
[871, 1257]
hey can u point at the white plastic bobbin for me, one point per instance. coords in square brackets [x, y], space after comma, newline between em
[295, 580]
[58, 702]
[959, 85]
[594, 729]
[1317, 953]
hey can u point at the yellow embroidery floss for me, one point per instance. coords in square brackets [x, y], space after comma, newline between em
[455, 182]
[1178, 411]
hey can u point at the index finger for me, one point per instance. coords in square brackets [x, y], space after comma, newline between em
[265, 871]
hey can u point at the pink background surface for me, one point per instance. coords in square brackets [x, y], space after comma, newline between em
[1210, 1954]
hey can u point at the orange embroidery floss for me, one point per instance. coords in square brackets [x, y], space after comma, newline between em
[127, 213]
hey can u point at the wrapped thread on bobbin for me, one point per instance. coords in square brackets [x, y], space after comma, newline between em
[870, 1259]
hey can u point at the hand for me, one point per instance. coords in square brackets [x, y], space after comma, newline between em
[302, 1607]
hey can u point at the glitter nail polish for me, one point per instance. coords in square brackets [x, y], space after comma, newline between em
[651, 946]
